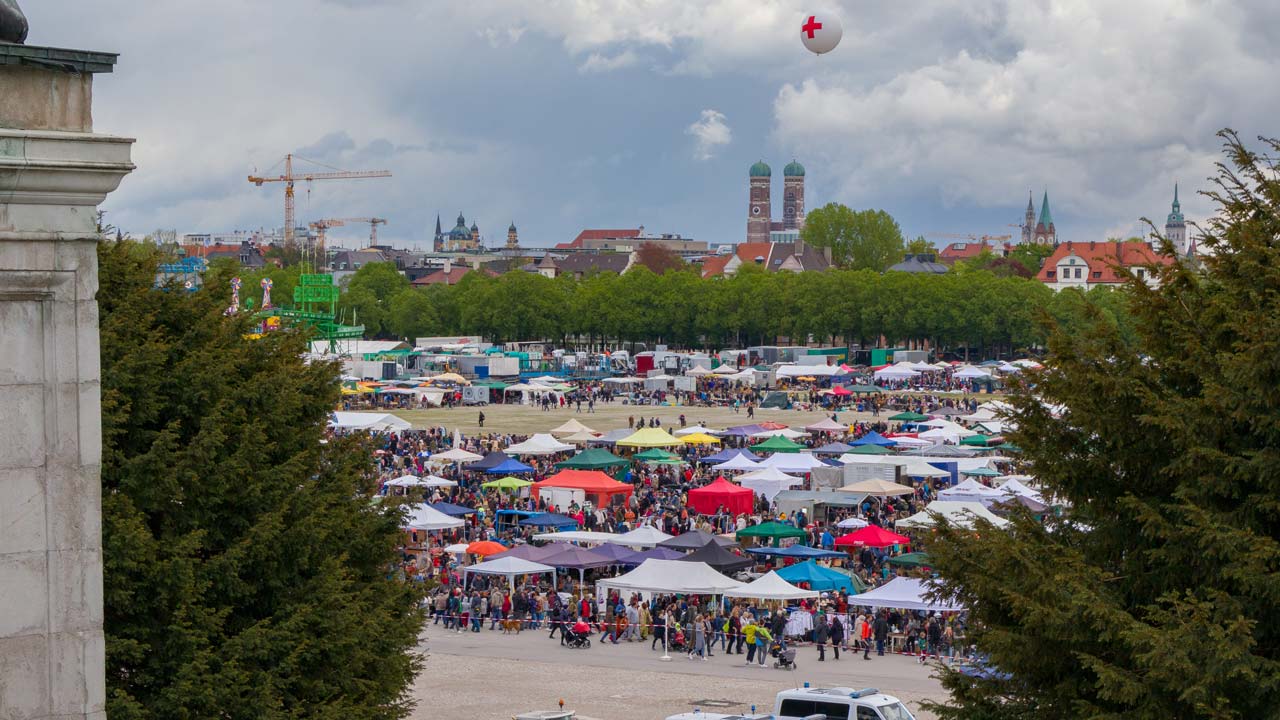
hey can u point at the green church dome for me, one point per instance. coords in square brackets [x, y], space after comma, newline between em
[760, 170]
[793, 169]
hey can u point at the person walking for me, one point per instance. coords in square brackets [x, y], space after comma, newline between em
[699, 638]
[763, 638]
[735, 632]
[837, 635]
[749, 630]
[820, 635]
[866, 637]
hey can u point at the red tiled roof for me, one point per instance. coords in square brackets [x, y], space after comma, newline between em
[440, 277]
[963, 251]
[598, 234]
[714, 265]
[1102, 258]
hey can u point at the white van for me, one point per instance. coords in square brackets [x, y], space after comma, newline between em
[839, 703]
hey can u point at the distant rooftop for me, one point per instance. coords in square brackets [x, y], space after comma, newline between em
[49, 58]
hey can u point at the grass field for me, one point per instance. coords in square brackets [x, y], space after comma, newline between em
[527, 419]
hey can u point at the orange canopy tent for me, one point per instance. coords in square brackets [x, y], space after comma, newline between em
[590, 482]
[708, 498]
[486, 547]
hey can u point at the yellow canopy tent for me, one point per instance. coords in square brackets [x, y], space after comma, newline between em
[650, 437]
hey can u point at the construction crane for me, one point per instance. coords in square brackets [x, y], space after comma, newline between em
[320, 226]
[289, 178]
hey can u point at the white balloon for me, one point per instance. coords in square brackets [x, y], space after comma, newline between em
[821, 32]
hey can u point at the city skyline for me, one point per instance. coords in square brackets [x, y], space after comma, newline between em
[558, 118]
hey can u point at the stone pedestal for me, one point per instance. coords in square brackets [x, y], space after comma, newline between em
[53, 174]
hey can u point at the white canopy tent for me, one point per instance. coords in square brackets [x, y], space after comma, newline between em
[826, 425]
[896, 373]
[768, 482]
[426, 518]
[1014, 486]
[725, 370]
[408, 481]
[905, 441]
[645, 536]
[808, 371]
[697, 371]
[673, 576]
[962, 514]
[879, 488]
[539, 444]
[792, 462]
[787, 433]
[911, 466]
[371, 421]
[971, 490]
[971, 373]
[509, 567]
[455, 455]
[905, 593]
[572, 427]
[771, 587]
[694, 430]
[852, 523]
[577, 536]
[737, 463]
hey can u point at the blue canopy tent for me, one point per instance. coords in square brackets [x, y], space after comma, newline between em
[487, 461]
[452, 510]
[549, 520]
[741, 431]
[874, 438]
[510, 466]
[507, 519]
[797, 551]
[818, 577]
[728, 454]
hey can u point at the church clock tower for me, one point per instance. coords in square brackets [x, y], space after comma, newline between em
[758, 211]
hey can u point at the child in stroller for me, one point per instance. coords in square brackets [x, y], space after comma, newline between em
[676, 641]
[579, 635]
[786, 656]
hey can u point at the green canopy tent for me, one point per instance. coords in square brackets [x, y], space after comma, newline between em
[865, 390]
[772, 529]
[658, 456]
[978, 440]
[859, 585]
[909, 417]
[777, 443]
[1008, 447]
[981, 472]
[592, 459]
[507, 483]
[911, 560]
[870, 450]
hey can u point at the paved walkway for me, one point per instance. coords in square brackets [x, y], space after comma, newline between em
[489, 674]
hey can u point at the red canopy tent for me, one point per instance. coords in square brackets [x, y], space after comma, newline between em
[841, 391]
[590, 482]
[872, 536]
[709, 498]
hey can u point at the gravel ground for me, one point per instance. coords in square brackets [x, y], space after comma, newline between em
[489, 675]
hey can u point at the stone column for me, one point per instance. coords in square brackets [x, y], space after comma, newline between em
[53, 174]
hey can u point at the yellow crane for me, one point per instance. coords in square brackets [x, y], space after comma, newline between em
[289, 178]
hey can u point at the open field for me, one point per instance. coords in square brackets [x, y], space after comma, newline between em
[528, 419]
[491, 675]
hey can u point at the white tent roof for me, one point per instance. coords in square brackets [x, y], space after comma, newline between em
[673, 576]
[971, 372]
[571, 428]
[457, 548]
[694, 430]
[787, 433]
[509, 566]
[904, 441]
[737, 462]
[425, 517]
[1016, 487]
[539, 444]
[771, 587]
[581, 437]
[852, 523]
[895, 373]
[768, 473]
[456, 455]
[971, 491]
[769, 489]
[645, 536]
[372, 421]
[808, 371]
[415, 481]
[624, 380]
[725, 370]
[792, 462]
[902, 592]
[958, 513]
[697, 371]
[912, 466]
[587, 536]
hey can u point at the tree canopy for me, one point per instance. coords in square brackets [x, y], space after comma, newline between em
[1155, 594]
[247, 574]
[859, 239]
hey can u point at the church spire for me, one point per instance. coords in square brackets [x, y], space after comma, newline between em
[1046, 219]
[1031, 206]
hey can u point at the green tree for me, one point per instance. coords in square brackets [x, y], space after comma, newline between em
[658, 258]
[1031, 255]
[858, 238]
[412, 314]
[246, 572]
[920, 246]
[1155, 594]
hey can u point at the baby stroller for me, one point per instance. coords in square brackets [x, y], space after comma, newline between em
[676, 641]
[786, 656]
[577, 640]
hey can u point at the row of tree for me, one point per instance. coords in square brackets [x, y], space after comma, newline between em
[966, 308]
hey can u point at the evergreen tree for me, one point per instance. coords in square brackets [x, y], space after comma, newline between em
[1156, 594]
[247, 574]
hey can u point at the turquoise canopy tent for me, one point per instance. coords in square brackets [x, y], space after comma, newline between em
[818, 577]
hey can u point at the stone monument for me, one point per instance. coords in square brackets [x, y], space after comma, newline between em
[54, 171]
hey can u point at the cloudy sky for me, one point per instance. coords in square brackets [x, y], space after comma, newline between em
[564, 114]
